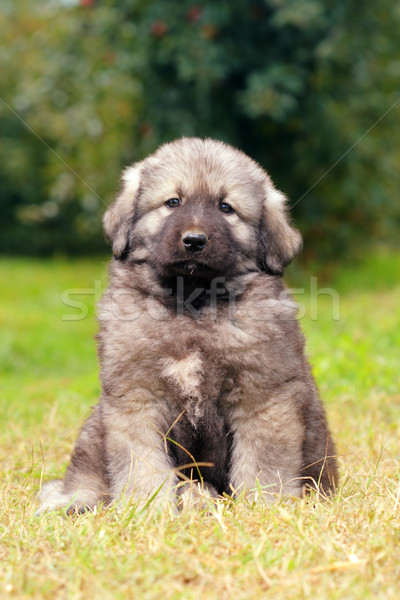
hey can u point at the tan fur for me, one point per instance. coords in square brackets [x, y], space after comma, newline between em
[202, 360]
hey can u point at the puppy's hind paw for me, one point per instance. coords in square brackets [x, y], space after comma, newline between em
[52, 497]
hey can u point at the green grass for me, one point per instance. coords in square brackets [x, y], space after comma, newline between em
[344, 548]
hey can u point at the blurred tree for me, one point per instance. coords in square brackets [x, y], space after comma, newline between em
[67, 126]
[293, 83]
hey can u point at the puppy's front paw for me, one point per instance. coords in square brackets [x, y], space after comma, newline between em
[196, 495]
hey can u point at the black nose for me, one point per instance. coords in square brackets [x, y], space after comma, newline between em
[194, 240]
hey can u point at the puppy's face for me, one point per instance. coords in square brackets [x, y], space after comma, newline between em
[200, 208]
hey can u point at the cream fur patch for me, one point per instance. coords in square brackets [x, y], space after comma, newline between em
[131, 177]
[186, 372]
[275, 198]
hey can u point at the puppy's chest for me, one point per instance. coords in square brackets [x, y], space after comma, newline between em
[194, 380]
[197, 376]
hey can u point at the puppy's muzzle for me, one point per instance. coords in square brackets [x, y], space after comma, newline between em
[194, 241]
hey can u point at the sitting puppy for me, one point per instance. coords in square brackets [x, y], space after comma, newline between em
[203, 369]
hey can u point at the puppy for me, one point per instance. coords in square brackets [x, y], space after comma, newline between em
[203, 370]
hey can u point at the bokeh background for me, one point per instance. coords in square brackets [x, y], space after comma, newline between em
[309, 88]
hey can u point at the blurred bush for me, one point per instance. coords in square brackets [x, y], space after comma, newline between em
[89, 87]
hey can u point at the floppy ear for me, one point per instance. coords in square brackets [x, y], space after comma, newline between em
[117, 220]
[279, 242]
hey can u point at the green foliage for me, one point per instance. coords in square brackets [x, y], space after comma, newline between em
[294, 84]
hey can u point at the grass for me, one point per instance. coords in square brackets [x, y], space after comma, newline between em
[343, 548]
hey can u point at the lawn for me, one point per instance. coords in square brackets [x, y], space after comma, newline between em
[347, 547]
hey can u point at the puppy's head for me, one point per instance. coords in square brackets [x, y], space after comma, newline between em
[201, 208]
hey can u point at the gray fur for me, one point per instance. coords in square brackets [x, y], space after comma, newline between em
[215, 373]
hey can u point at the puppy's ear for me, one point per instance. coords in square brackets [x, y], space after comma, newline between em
[279, 241]
[118, 218]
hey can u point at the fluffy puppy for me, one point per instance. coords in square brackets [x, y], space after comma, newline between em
[203, 370]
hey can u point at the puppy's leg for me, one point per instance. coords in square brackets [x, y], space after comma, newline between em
[267, 446]
[86, 482]
[319, 455]
[138, 463]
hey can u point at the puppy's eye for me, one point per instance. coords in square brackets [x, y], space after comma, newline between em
[226, 208]
[173, 202]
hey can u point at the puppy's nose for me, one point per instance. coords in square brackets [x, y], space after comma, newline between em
[194, 240]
